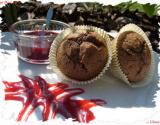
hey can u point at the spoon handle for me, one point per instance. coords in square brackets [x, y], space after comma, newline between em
[49, 16]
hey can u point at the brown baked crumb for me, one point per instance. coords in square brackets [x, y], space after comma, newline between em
[133, 43]
[134, 56]
[82, 56]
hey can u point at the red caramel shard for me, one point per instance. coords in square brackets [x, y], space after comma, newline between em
[54, 98]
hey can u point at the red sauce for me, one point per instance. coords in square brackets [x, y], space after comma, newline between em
[54, 98]
[39, 33]
[38, 49]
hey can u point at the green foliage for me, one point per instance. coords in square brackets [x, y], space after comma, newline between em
[149, 9]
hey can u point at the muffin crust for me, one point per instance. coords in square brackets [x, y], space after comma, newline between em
[82, 55]
[134, 56]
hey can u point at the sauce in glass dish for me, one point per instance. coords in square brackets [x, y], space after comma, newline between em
[39, 48]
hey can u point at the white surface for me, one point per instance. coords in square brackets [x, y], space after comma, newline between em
[125, 105]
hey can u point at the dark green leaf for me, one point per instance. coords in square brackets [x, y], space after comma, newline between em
[149, 9]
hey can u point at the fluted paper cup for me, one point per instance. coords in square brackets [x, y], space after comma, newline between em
[115, 66]
[58, 40]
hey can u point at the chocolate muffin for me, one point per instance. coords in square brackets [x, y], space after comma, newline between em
[82, 55]
[134, 56]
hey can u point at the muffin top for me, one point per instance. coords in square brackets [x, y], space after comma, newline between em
[134, 56]
[82, 55]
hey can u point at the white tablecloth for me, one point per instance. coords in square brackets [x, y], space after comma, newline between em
[125, 105]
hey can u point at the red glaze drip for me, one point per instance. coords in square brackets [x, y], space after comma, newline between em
[54, 98]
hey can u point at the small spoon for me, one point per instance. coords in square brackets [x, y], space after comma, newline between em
[48, 18]
[47, 22]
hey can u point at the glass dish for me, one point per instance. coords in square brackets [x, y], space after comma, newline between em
[33, 43]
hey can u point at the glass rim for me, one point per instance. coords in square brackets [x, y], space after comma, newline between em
[13, 29]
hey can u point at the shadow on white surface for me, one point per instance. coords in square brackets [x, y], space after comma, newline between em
[116, 93]
[120, 95]
[108, 88]
[6, 42]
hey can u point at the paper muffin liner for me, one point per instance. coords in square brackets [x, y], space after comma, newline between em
[58, 40]
[115, 65]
